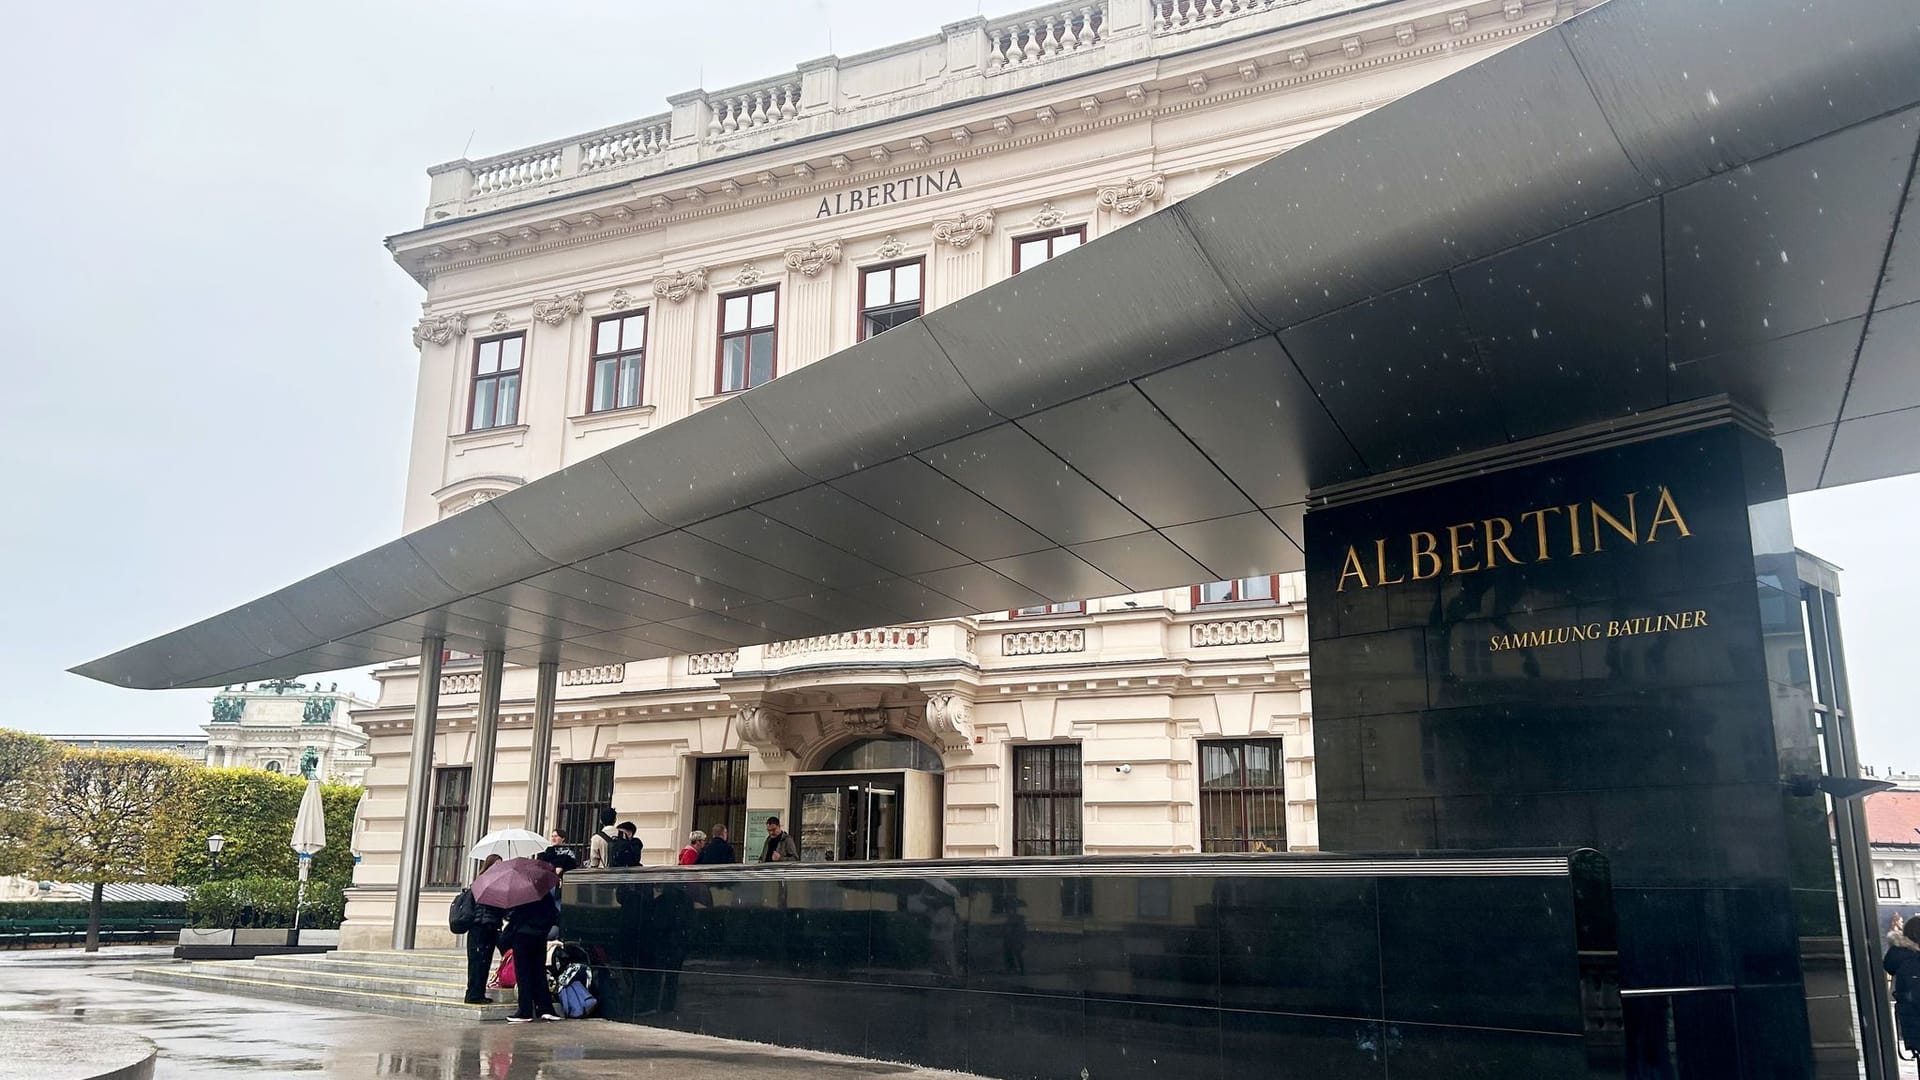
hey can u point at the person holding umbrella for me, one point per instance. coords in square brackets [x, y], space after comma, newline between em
[524, 888]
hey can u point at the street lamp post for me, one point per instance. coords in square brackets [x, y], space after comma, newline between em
[216, 844]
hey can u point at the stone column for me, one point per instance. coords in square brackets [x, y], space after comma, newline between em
[540, 754]
[413, 826]
[485, 736]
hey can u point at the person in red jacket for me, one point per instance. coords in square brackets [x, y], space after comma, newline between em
[691, 853]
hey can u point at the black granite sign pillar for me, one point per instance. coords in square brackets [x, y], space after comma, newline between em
[1591, 647]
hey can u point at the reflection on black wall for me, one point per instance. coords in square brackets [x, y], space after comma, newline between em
[1222, 966]
[1664, 749]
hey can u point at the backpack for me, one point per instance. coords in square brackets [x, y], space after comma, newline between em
[574, 987]
[462, 915]
[624, 851]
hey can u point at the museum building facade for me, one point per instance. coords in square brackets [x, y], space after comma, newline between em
[588, 291]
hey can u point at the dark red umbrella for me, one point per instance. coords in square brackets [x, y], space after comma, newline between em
[512, 882]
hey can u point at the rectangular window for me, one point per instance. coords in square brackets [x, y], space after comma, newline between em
[889, 296]
[1243, 797]
[746, 339]
[586, 788]
[1887, 888]
[447, 840]
[1046, 800]
[619, 361]
[1069, 607]
[496, 382]
[1031, 251]
[720, 797]
[1239, 590]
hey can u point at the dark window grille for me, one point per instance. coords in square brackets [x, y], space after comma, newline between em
[586, 788]
[1031, 251]
[720, 796]
[619, 361]
[1243, 797]
[447, 844]
[1046, 800]
[889, 296]
[496, 382]
[1887, 888]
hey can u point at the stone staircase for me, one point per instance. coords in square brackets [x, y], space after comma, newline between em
[423, 983]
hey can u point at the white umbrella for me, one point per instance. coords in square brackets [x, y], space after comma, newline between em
[359, 827]
[309, 836]
[510, 844]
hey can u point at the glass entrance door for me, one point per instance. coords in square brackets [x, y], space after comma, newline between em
[848, 817]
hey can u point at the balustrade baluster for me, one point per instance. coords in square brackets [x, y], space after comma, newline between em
[1050, 44]
[1032, 49]
[1086, 26]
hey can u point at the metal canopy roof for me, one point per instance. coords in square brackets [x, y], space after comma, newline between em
[1653, 203]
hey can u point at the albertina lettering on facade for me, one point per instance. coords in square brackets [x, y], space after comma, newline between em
[888, 193]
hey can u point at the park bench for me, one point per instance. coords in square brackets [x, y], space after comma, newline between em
[67, 930]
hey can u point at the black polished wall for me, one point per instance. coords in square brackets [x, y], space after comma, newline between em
[1666, 750]
[1215, 967]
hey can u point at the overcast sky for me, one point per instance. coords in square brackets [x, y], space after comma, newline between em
[208, 378]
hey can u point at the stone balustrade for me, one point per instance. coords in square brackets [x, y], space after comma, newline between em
[978, 57]
[461, 682]
[755, 107]
[882, 638]
[1043, 35]
[1237, 632]
[1175, 16]
[602, 675]
[610, 149]
[1043, 642]
[712, 663]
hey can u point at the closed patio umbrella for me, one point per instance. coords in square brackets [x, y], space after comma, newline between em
[309, 836]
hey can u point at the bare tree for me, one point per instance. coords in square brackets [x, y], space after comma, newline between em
[108, 816]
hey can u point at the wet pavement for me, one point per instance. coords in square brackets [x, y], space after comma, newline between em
[216, 1035]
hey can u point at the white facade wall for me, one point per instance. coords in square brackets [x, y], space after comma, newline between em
[1147, 105]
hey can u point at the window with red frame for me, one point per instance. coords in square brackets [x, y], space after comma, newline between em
[1266, 587]
[746, 339]
[1031, 251]
[889, 296]
[619, 361]
[496, 382]
[1071, 607]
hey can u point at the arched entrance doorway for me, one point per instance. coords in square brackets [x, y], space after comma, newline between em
[872, 798]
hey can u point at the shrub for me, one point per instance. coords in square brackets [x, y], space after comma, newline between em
[254, 810]
[265, 903]
[109, 911]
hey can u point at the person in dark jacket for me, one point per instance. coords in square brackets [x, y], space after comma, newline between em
[717, 849]
[481, 939]
[1903, 963]
[779, 846]
[525, 935]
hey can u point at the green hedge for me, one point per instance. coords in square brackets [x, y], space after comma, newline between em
[254, 810]
[109, 911]
[265, 903]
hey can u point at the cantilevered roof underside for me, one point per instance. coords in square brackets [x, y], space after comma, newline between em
[1659, 201]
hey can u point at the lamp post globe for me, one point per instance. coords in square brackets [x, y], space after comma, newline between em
[215, 844]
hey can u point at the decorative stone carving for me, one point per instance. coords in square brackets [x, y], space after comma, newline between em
[730, 188]
[765, 730]
[1404, 34]
[961, 135]
[864, 721]
[561, 308]
[1128, 197]
[1457, 22]
[919, 145]
[1299, 59]
[1197, 83]
[840, 163]
[1090, 107]
[803, 172]
[963, 230]
[1249, 71]
[499, 324]
[880, 155]
[1046, 115]
[748, 277]
[660, 203]
[440, 329]
[1136, 95]
[950, 718]
[621, 300]
[1352, 47]
[891, 248]
[677, 287]
[1003, 126]
[768, 181]
[809, 260]
[1049, 217]
[227, 710]
[318, 710]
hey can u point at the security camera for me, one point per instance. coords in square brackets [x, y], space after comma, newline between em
[1123, 768]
